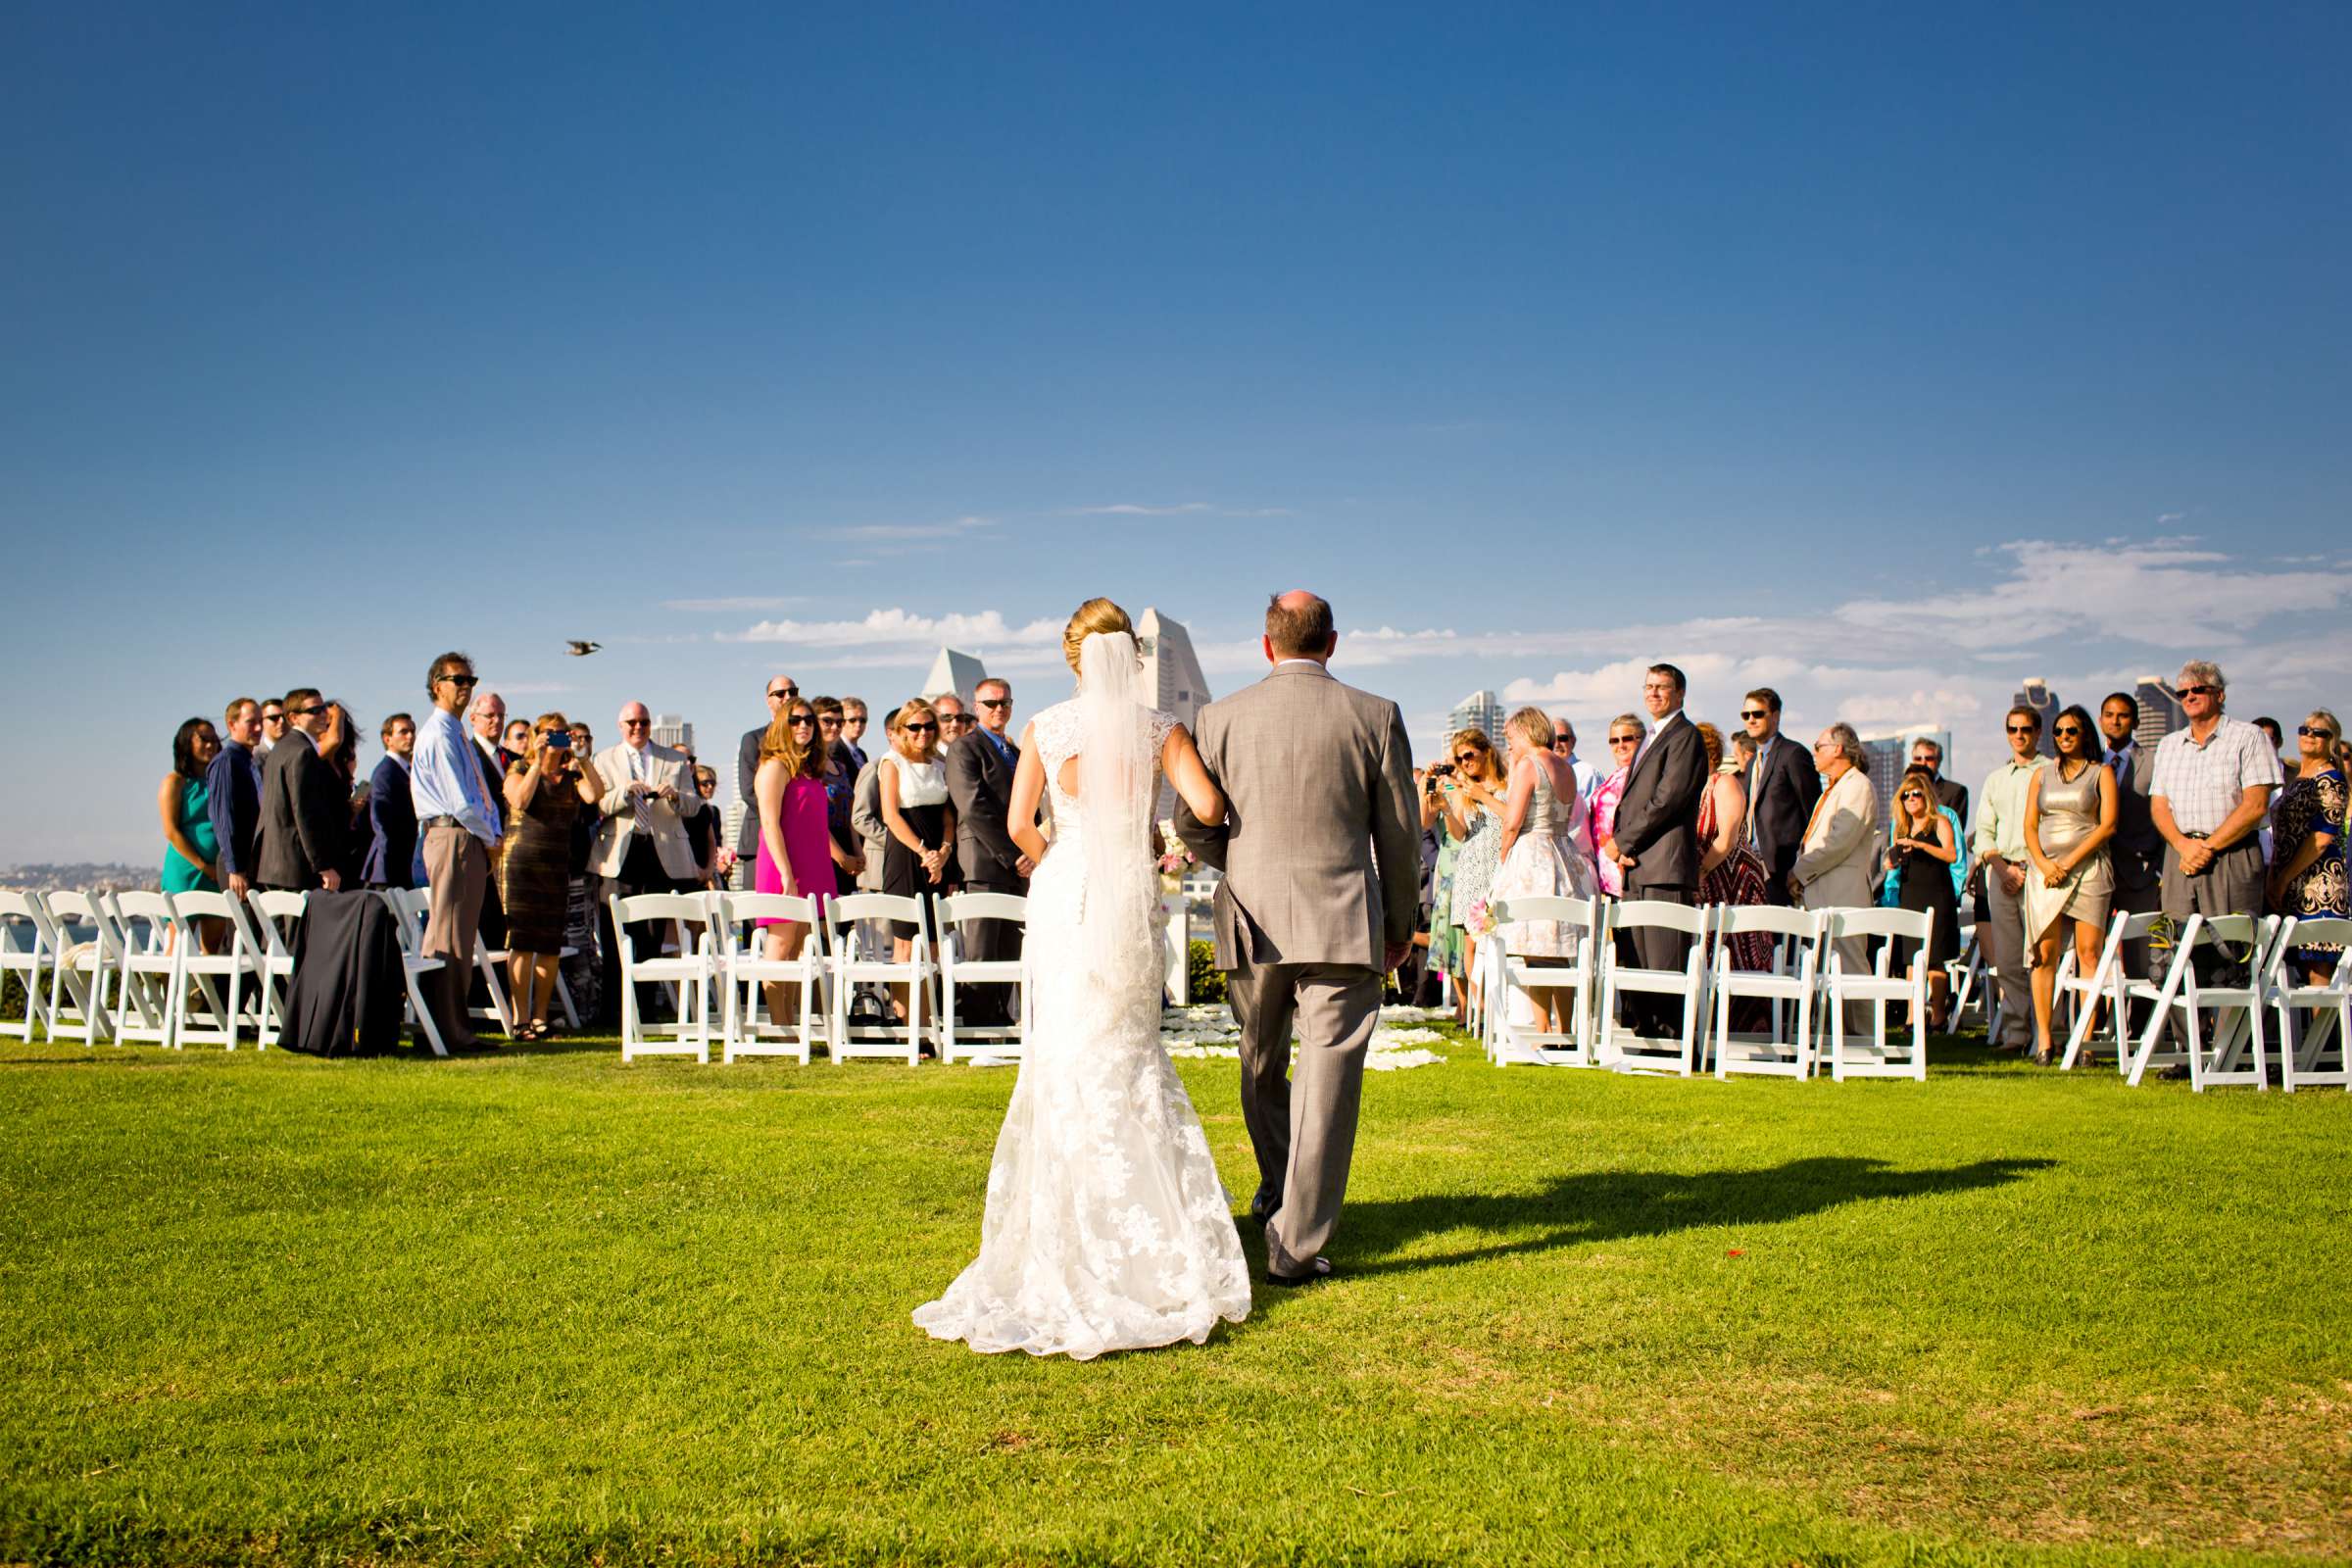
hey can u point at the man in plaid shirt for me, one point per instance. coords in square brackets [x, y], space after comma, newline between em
[2211, 790]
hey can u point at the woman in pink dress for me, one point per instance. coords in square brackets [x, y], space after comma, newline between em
[1625, 739]
[791, 790]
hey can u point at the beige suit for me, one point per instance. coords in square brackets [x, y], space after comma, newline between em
[661, 766]
[1833, 868]
[1321, 851]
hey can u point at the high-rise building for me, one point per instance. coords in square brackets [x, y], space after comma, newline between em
[1889, 753]
[1481, 711]
[1172, 675]
[2159, 711]
[1171, 672]
[2035, 694]
[953, 671]
[672, 731]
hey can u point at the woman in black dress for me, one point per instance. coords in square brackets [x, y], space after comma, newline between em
[1923, 849]
[920, 821]
[546, 787]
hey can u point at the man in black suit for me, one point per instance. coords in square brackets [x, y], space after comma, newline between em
[233, 783]
[781, 690]
[391, 810]
[1783, 788]
[979, 770]
[1657, 836]
[2137, 851]
[1929, 755]
[305, 814]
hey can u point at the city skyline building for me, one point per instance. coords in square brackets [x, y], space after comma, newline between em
[672, 731]
[953, 671]
[1480, 711]
[1173, 676]
[1889, 753]
[2159, 711]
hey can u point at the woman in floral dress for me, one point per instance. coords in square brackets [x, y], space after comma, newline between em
[2308, 842]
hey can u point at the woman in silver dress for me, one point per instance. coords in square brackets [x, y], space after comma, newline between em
[2069, 816]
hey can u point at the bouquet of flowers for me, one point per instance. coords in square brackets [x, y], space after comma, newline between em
[1175, 860]
[1479, 920]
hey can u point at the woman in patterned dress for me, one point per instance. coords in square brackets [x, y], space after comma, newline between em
[1729, 871]
[1625, 743]
[2309, 875]
[1546, 853]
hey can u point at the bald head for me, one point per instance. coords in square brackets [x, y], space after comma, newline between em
[1298, 626]
[636, 725]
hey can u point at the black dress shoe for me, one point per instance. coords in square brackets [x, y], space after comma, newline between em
[1319, 1269]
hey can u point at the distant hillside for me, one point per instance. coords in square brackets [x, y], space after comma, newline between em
[81, 876]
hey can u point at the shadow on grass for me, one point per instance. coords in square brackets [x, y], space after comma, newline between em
[1615, 1206]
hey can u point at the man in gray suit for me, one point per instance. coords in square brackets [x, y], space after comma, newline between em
[1320, 848]
[781, 690]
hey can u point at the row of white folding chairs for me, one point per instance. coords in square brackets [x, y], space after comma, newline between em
[2218, 1031]
[1811, 977]
[143, 976]
[703, 956]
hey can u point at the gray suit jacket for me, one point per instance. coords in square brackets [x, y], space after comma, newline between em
[2137, 848]
[1321, 842]
[747, 769]
[980, 783]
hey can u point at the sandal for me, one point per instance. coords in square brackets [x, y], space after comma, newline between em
[532, 1032]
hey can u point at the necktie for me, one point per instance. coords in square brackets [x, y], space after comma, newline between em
[640, 815]
[2120, 765]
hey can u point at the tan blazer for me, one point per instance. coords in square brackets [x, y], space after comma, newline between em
[1834, 862]
[667, 766]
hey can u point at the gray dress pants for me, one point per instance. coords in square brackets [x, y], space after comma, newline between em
[1302, 1124]
[2003, 940]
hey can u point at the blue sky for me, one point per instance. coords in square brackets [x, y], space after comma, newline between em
[1888, 354]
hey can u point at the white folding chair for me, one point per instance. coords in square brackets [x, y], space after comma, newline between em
[1881, 1055]
[2305, 1055]
[2088, 998]
[691, 972]
[82, 983]
[28, 951]
[851, 966]
[200, 974]
[491, 964]
[1514, 1034]
[1000, 1040]
[1793, 981]
[272, 917]
[745, 971]
[410, 907]
[1967, 972]
[1630, 1050]
[147, 966]
[2215, 1060]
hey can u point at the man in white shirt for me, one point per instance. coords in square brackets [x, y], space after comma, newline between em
[2209, 797]
[641, 845]
[2000, 845]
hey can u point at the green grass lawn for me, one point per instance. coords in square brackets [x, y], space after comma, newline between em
[546, 1307]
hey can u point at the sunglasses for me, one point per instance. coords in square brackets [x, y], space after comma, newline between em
[2064, 730]
[798, 719]
[1625, 740]
[2313, 730]
[786, 694]
[1466, 757]
[2024, 729]
[274, 718]
[996, 702]
[826, 723]
[305, 712]
[1913, 795]
[635, 724]
[462, 680]
[2201, 691]
[920, 729]
[1753, 712]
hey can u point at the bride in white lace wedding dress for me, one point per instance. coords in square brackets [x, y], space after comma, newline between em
[1106, 1228]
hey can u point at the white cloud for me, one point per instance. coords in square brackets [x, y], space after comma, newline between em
[910, 532]
[986, 632]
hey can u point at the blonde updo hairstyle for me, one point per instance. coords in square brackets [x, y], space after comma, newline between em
[1095, 615]
[1533, 723]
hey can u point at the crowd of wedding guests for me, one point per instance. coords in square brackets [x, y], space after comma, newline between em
[2214, 819]
[520, 828]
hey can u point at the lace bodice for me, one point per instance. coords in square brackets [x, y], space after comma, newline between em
[1059, 734]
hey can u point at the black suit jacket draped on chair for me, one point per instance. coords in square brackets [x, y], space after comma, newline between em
[1657, 816]
[348, 990]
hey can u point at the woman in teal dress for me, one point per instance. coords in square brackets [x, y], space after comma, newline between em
[191, 853]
